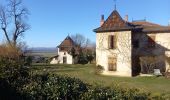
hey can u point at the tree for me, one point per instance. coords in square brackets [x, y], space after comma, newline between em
[80, 40]
[84, 49]
[12, 20]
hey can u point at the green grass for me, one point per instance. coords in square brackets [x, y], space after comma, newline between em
[86, 73]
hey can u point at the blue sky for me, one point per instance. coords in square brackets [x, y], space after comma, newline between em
[52, 20]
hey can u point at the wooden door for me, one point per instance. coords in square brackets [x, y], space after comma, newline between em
[64, 60]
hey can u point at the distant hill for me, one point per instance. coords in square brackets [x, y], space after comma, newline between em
[42, 50]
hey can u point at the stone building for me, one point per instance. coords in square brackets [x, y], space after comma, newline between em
[126, 48]
[64, 52]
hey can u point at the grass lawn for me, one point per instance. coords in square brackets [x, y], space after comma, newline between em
[86, 73]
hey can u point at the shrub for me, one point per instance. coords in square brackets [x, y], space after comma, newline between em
[82, 59]
[13, 74]
[64, 88]
[28, 60]
[47, 86]
[114, 93]
[99, 69]
[55, 87]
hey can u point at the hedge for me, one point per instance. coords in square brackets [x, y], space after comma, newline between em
[56, 87]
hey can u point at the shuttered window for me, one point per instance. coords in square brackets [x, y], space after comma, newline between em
[151, 41]
[112, 65]
[112, 42]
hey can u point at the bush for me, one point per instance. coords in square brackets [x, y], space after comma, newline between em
[28, 60]
[55, 87]
[47, 86]
[82, 59]
[99, 69]
[13, 74]
[115, 93]
[64, 88]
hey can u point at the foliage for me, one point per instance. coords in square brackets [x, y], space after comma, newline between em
[115, 93]
[64, 88]
[11, 62]
[58, 87]
[28, 60]
[84, 49]
[55, 87]
[99, 69]
[90, 58]
[82, 59]
[13, 74]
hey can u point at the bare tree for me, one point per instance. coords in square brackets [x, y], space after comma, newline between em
[12, 20]
[79, 40]
[84, 47]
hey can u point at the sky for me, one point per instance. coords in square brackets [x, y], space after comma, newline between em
[52, 20]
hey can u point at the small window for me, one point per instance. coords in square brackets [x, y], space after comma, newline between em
[136, 43]
[151, 41]
[112, 42]
[112, 64]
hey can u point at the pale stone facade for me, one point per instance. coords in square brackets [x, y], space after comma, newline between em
[122, 52]
[140, 47]
[64, 52]
[60, 59]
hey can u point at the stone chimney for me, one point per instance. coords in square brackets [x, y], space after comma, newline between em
[169, 23]
[126, 18]
[102, 20]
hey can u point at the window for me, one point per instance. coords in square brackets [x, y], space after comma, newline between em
[112, 64]
[151, 41]
[136, 43]
[112, 41]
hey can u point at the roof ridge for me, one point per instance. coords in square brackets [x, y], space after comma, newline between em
[67, 38]
[114, 22]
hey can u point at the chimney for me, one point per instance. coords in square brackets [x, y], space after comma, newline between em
[102, 20]
[126, 18]
[169, 23]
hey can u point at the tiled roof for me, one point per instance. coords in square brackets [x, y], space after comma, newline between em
[115, 23]
[156, 29]
[145, 26]
[68, 42]
[144, 23]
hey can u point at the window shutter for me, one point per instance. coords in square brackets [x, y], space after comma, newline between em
[115, 41]
[109, 39]
[112, 42]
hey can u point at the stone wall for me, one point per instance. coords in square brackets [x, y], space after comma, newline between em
[160, 51]
[122, 52]
[59, 60]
